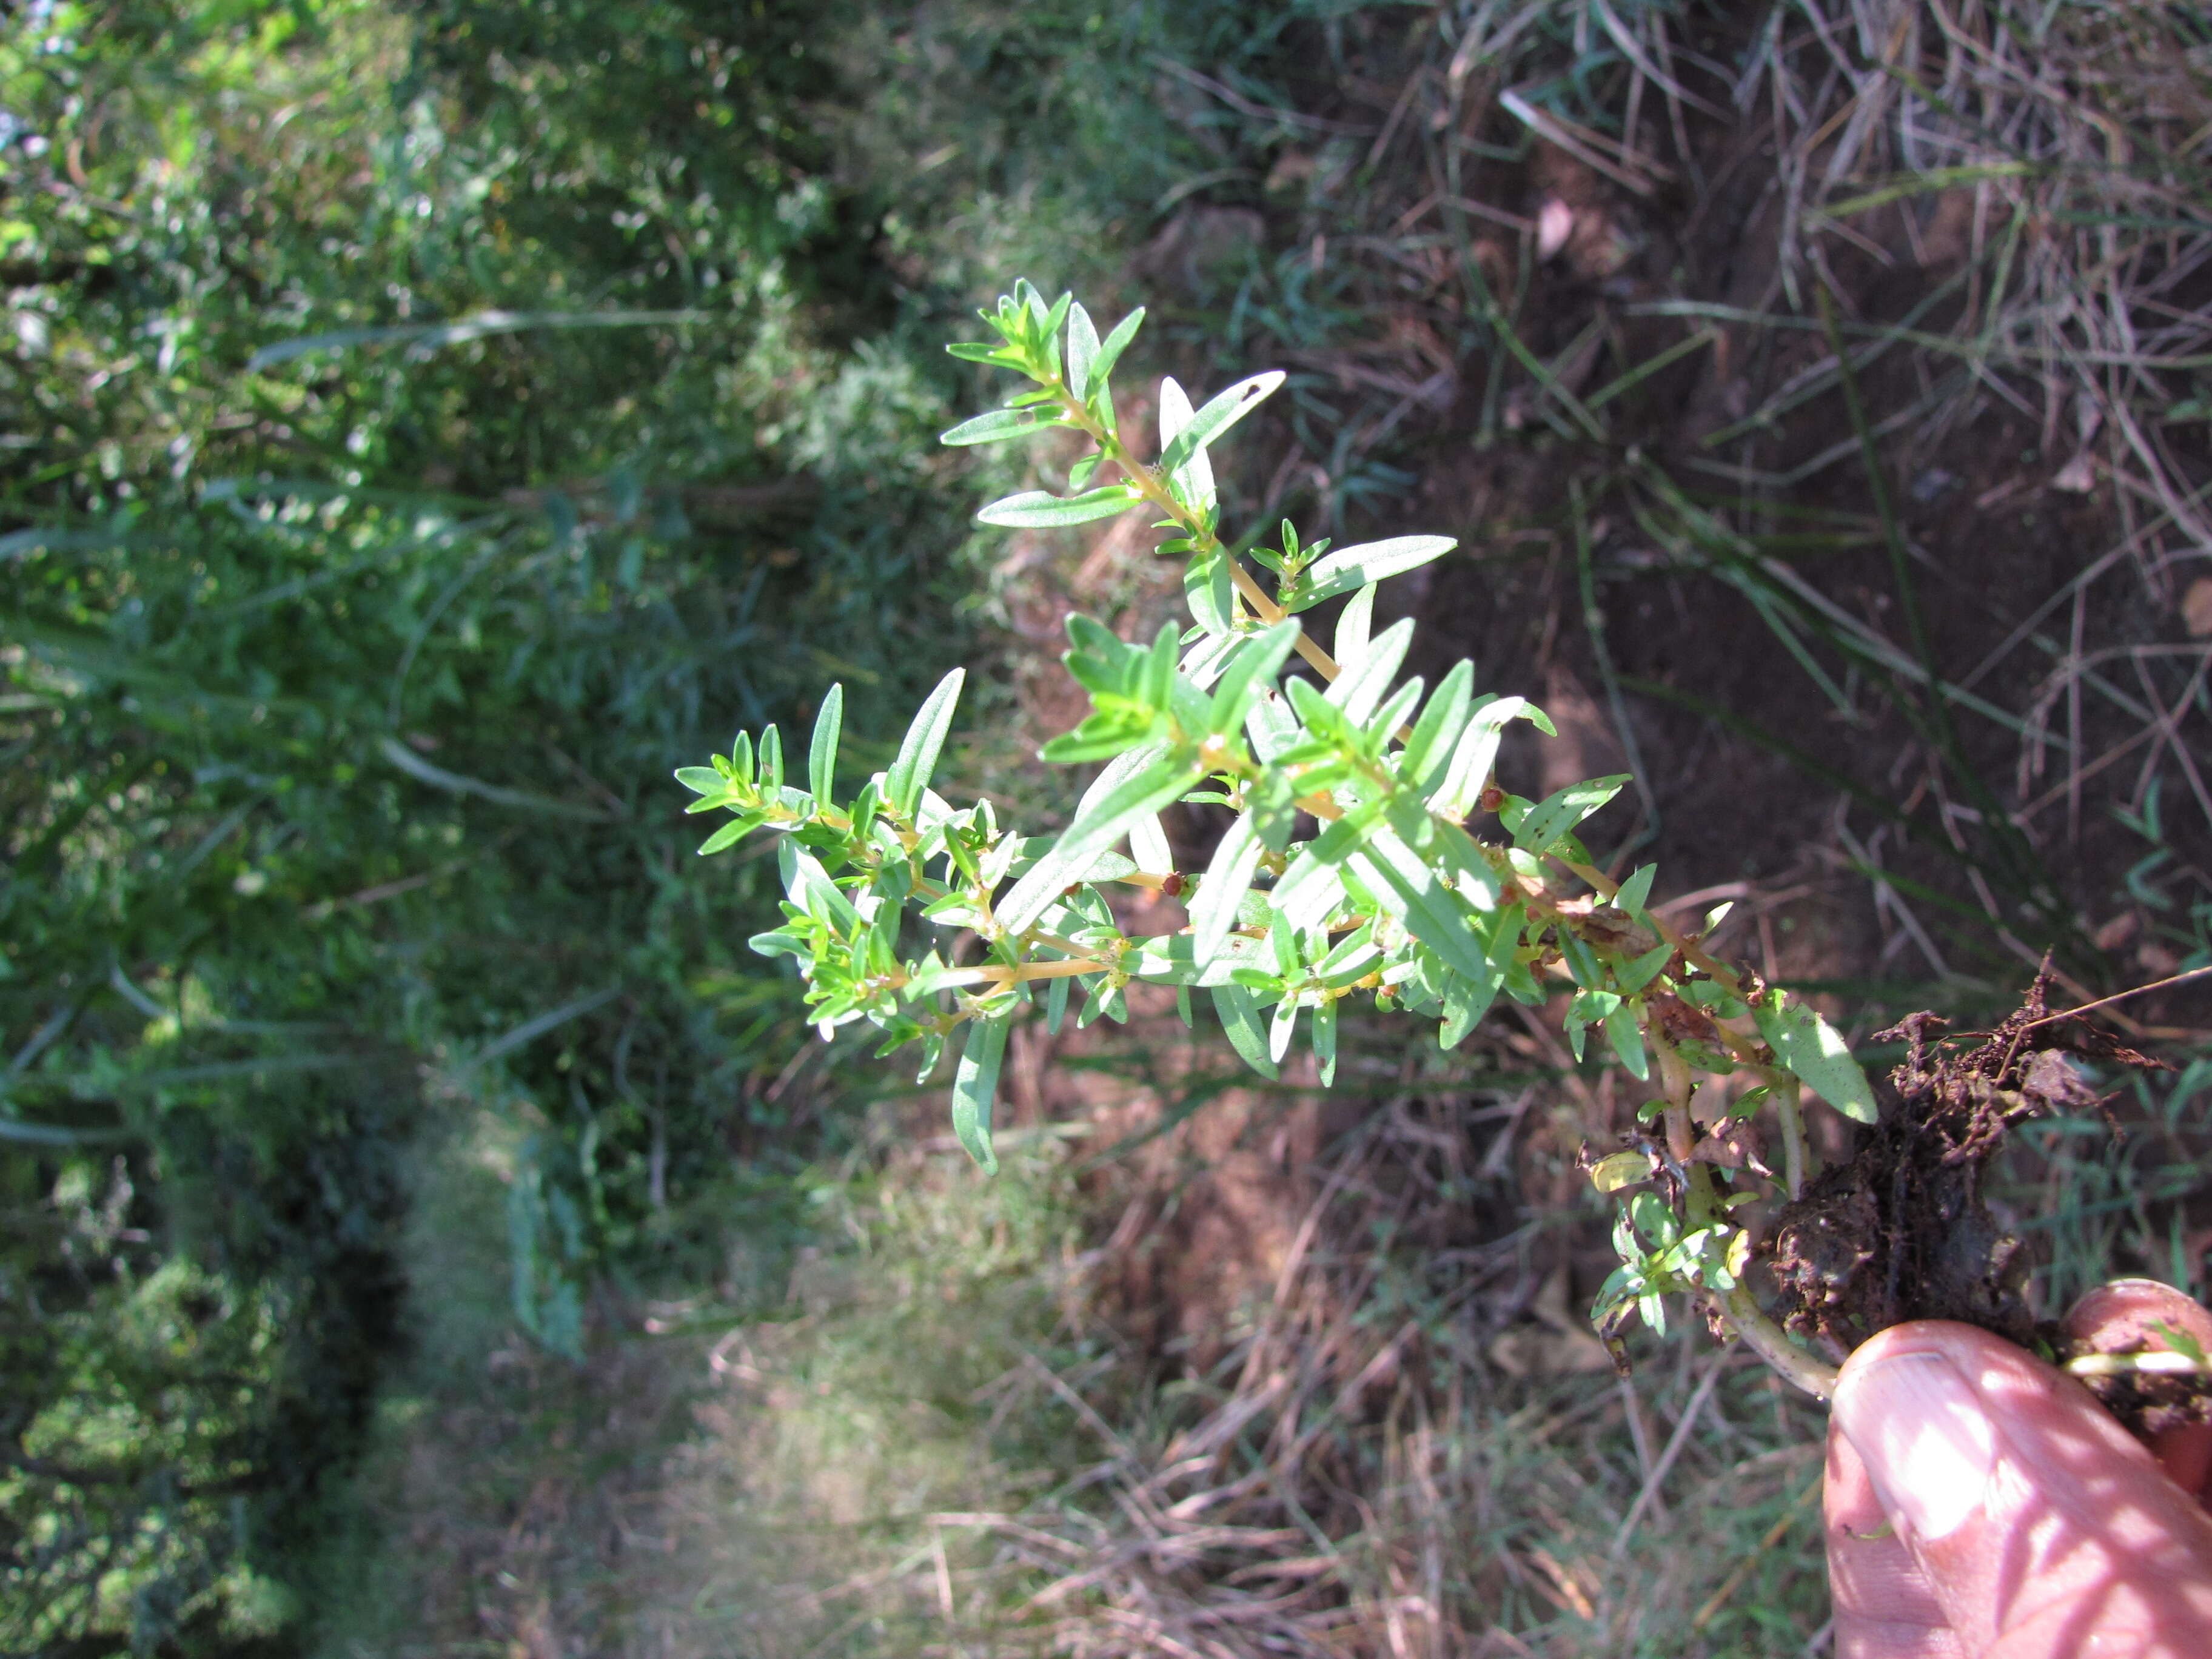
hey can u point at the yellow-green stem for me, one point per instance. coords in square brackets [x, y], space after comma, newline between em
[1771, 1344]
[1148, 484]
[1786, 1108]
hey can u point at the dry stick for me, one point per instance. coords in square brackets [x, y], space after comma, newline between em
[1649, 1497]
[2121, 996]
[1734, 1582]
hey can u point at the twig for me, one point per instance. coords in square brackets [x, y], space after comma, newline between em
[2122, 996]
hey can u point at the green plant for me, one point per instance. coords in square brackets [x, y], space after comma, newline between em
[1390, 895]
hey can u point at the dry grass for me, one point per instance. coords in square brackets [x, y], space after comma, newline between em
[1559, 271]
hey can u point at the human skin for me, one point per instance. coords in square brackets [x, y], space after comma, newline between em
[1980, 1505]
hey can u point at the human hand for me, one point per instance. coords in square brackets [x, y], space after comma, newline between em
[1982, 1506]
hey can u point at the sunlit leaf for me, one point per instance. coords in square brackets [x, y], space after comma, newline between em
[1816, 1052]
[821, 752]
[1216, 417]
[1350, 568]
[1227, 879]
[975, 1085]
[924, 741]
[1036, 509]
[1000, 425]
[1240, 1019]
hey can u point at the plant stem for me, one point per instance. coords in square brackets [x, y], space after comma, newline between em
[2157, 1362]
[1202, 538]
[1786, 1108]
[1771, 1344]
[1675, 1080]
[1034, 970]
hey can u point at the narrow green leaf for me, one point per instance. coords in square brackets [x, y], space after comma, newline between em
[1635, 892]
[1627, 1040]
[1106, 821]
[1349, 567]
[975, 1085]
[1350, 958]
[1160, 667]
[1324, 1041]
[1312, 885]
[1110, 353]
[1582, 962]
[1355, 625]
[971, 351]
[1216, 417]
[924, 741]
[1172, 959]
[1048, 331]
[1149, 847]
[1385, 721]
[1465, 1001]
[1055, 1004]
[1082, 351]
[728, 836]
[1255, 666]
[821, 752]
[771, 759]
[1191, 480]
[1037, 509]
[1455, 797]
[1041, 884]
[700, 779]
[808, 885]
[1269, 724]
[1433, 912]
[1634, 976]
[1357, 690]
[1281, 1028]
[999, 425]
[1209, 591]
[1557, 815]
[1239, 1013]
[1228, 878]
[1437, 731]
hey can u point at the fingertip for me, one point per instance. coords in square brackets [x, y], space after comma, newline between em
[2125, 1315]
[2014, 1490]
[1883, 1604]
[2138, 1315]
[1924, 1433]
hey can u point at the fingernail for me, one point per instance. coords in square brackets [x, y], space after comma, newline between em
[1925, 1438]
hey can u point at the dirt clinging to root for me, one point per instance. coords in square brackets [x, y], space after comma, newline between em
[1901, 1231]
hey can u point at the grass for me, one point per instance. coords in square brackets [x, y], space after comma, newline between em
[1997, 243]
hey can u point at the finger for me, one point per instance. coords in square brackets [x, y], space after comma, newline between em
[2124, 1317]
[2042, 1527]
[1884, 1608]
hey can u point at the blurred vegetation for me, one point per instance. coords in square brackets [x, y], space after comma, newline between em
[425, 426]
